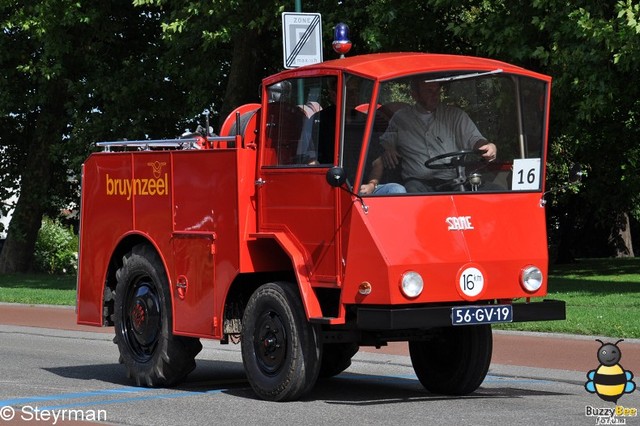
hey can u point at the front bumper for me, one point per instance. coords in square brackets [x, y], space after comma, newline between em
[386, 318]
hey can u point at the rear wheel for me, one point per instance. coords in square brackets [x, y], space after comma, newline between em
[280, 349]
[455, 361]
[152, 355]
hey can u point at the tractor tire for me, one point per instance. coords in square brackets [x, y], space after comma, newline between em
[455, 361]
[281, 350]
[150, 352]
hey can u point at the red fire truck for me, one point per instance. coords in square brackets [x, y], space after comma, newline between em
[275, 235]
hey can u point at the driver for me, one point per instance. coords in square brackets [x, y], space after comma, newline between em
[426, 130]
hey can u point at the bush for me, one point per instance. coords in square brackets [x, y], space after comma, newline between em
[56, 249]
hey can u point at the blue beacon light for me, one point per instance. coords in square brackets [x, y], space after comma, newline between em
[341, 43]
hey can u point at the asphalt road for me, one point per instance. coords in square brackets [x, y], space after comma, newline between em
[48, 375]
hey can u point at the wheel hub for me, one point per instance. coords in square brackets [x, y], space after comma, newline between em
[138, 318]
[270, 344]
[143, 321]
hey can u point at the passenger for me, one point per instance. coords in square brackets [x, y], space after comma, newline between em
[310, 108]
[373, 186]
[317, 145]
[317, 140]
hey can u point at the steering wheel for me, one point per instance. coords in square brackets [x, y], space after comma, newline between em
[458, 160]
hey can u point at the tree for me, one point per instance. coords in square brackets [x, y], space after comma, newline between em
[32, 119]
[75, 72]
[71, 73]
[222, 50]
[238, 43]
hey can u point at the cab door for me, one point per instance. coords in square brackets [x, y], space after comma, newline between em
[298, 149]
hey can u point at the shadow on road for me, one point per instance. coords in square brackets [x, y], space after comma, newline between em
[344, 389]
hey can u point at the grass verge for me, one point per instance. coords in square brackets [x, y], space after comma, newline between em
[602, 296]
[38, 289]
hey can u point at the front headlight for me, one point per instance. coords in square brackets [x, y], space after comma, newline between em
[531, 278]
[411, 284]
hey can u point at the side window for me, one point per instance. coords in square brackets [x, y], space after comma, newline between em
[357, 97]
[533, 93]
[300, 124]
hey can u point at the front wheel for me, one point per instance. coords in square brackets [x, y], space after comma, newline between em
[281, 351]
[455, 361]
[152, 355]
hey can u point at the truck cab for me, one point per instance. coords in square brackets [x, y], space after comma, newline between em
[477, 234]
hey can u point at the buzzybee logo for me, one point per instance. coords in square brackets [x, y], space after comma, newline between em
[609, 381]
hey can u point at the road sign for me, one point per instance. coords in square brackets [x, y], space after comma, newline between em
[301, 39]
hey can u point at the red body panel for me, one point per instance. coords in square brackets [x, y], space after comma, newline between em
[502, 242]
[190, 212]
[309, 217]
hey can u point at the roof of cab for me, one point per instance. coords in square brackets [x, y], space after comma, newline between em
[383, 66]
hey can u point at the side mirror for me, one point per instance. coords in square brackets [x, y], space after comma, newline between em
[336, 176]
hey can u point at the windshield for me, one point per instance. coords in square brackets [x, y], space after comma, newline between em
[470, 132]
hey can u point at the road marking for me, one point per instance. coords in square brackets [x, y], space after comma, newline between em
[106, 392]
[75, 395]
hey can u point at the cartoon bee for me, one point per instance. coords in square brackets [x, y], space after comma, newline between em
[609, 381]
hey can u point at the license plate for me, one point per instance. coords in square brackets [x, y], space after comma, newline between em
[490, 314]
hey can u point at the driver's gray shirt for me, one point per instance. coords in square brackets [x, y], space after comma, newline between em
[418, 135]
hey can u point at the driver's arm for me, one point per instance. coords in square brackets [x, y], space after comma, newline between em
[374, 177]
[489, 149]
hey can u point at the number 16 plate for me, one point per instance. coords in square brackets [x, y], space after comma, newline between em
[487, 314]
